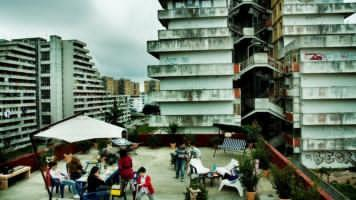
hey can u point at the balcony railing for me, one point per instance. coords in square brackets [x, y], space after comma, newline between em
[193, 120]
[320, 8]
[260, 60]
[329, 118]
[219, 69]
[328, 144]
[346, 92]
[192, 95]
[264, 105]
[194, 33]
[319, 29]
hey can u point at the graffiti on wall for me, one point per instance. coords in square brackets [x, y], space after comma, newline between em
[328, 56]
[329, 157]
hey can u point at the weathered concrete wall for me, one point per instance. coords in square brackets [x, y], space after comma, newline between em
[193, 33]
[196, 83]
[325, 8]
[201, 108]
[193, 95]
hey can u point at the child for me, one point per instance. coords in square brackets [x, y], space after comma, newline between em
[144, 185]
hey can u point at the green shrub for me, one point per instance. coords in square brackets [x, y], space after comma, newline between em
[260, 152]
[247, 168]
[282, 180]
[153, 141]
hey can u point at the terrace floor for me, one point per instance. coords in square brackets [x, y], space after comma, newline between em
[157, 164]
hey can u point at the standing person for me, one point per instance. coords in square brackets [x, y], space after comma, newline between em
[95, 182]
[62, 178]
[181, 158]
[144, 185]
[126, 172]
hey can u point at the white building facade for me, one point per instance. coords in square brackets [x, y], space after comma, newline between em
[318, 50]
[195, 67]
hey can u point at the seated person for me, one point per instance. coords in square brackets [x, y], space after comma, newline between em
[63, 179]
[95, 182]
[74, 167]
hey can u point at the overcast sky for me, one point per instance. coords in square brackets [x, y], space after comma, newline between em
[116, 31]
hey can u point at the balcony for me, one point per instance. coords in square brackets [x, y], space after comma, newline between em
[158, 71]
[320, 8]
[328, 144]
[318, 67]
[193, 33]
[346, 92]
[264, 105]
[258, 60]
[328, 29]
[192, 95]
[193, 120]
[293, 92]
[190, 13]
[181, 45]
[236, 6]
[329, 119]
[322, 42]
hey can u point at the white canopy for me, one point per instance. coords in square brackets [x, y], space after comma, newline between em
[81, 128]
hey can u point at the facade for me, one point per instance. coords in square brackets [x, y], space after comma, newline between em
[151, 86]
[18, 96]
[136, 103]
[195, 67]
[319, 54]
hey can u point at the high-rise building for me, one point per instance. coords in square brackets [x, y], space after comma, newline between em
[151, 86]
[18, 114]
[128, 87]
[319, 55]
[195, 67]
[111, 85]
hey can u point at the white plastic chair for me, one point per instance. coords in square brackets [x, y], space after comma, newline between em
[234, 183]
[198, 167]
[227, 168]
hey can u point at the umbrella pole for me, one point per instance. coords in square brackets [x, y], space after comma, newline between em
[38, 162]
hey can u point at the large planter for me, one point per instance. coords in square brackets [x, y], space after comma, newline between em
[251, 195]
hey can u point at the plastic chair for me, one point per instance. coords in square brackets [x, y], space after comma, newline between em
[227, 168]
[232, 183]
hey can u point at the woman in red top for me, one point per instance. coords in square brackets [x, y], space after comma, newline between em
[126, 172]
[144, 185]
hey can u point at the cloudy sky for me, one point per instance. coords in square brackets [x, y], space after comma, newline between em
[116, 31]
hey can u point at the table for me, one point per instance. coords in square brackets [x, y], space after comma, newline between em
[212, 176]
[24, 171]
[106, 174]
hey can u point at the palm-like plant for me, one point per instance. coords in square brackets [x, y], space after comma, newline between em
[247, 168]
[113, 117]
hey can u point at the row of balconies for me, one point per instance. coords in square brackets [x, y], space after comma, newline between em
[193, 120]
[328, 144]
[17, 70]
[319, 29]
[18, 56]
[193, 95]
[322, 42]
[17, 49]
[320, 8]
[345, 92]
[197, 44]
[221, 69]
[329, 118]
[189, 13]
[193, 33]
[18, 62]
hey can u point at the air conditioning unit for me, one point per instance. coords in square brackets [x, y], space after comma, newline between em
[248, 31]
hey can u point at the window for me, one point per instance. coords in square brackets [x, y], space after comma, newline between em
[46, 119]
[45, 69]
[45, 55]
[178, 4]
[46, 107]
[45, 81]
[190, 3]
[45, 94]
[205, 3]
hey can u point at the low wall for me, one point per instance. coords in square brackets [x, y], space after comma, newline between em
[281, 161]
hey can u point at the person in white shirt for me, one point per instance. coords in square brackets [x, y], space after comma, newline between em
[63, 178]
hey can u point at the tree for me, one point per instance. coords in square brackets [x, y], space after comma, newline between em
[113, 117]
[150, 109]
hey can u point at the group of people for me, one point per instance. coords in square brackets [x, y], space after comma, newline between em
[139, 182]
[182, 155]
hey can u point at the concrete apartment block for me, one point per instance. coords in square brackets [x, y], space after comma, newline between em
[18, 114]
[195, 67]
[318, 51]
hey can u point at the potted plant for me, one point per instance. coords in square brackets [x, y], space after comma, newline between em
[172, 130]
[249, 178]
[260, 152]
[196, 191]
[282, 181]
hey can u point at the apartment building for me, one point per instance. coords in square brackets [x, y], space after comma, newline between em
[319, 55]
[195, 67]
[111, 85]
[18, 114]
[128, 87]
[151, 86]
